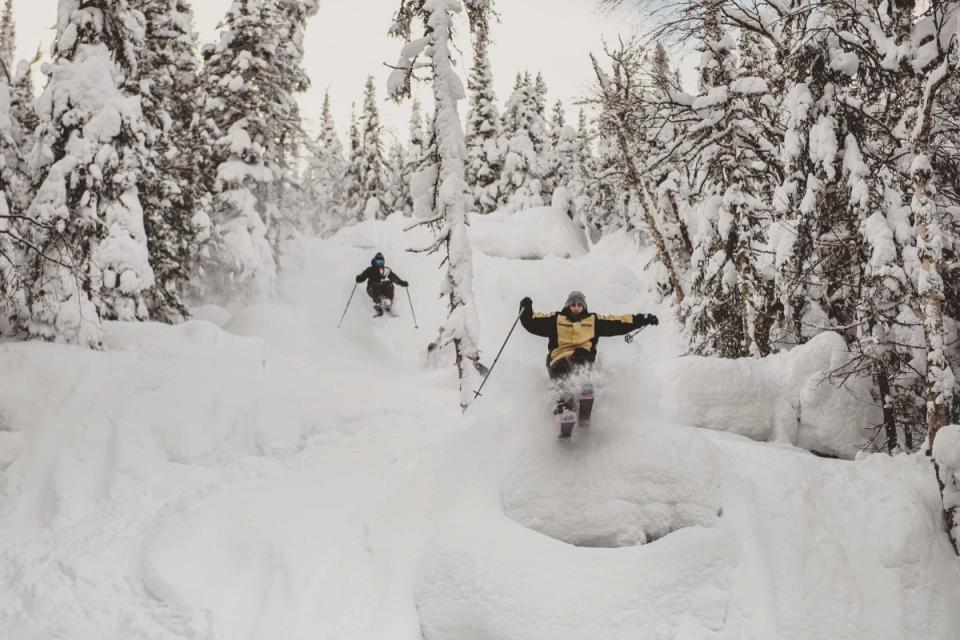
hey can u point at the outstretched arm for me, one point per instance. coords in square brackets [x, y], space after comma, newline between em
[621, 325]
[539, 324]
[395, 279]
[363, 276]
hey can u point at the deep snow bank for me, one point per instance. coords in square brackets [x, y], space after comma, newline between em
[946, 451]
[544, 232]
[783, 397]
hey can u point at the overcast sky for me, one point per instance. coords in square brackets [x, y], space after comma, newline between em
[346, 41]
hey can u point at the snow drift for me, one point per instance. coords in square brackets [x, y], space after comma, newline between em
[544, 232]
[784, 397]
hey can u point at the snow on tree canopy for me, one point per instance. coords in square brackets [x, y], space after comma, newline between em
[89, 150]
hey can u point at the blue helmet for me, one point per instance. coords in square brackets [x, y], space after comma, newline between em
[378, 260]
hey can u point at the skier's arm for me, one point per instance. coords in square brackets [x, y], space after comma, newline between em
[539, 324]
[607, 326]
[366, 274]
[395, 279]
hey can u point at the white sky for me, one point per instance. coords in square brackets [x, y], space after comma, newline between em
[346, 41]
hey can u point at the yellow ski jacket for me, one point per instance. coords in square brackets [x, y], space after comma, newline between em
[567, 332]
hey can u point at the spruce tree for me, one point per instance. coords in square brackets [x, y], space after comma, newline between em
[22, 114]
[87, 158]
[8, 39]
[251, 127]
[353, 201]
[524, 135]
[171, 193]
[420, 173]
[291, 79]
[396, 198]
[11, 248]
[484, 156]
[372, 178]
[324, 177]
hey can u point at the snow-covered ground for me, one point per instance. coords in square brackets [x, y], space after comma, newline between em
[263, 474]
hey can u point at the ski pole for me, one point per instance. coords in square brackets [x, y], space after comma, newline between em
[632, 335]
[487, 377]
[410, 300]
[348, 304]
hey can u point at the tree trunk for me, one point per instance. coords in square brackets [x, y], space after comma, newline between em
[675, 214]
[647, 204]
[889, 416]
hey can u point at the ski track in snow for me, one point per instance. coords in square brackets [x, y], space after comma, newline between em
[281, 478]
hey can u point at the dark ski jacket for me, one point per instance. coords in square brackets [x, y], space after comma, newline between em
[376, 275]
[567, 332]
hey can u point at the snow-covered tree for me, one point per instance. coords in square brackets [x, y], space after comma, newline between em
[461, 329]
[484, 156]
[420, 171]
[396, 196]
[90, 147]
[372, 179]
[23, 104]
[571, 156]
[8, 37]
[172, 198]
[22, 113]
[524, 137]
[251, 125]
[353, 201]
[11, 247]
[324, 177]
[291, 79]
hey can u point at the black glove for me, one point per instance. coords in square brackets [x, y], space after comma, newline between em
[526, 304]
[645, 319]
[404, 283]
[360, 278]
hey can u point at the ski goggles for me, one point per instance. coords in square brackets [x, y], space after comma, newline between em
[378, 263]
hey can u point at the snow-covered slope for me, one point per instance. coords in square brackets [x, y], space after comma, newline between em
[263, 474]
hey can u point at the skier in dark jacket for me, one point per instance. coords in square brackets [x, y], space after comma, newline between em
[380, 280]
[573, 331]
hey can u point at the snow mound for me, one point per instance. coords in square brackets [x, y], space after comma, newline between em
[71, 445]
[543, 232]
[503, 581]
[782, 397]
[624, 490]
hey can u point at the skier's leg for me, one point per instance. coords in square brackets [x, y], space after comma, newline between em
[374, 292]
[559, 372]
[587, 394]
[386, 296]
[582, 362]
[564, 402]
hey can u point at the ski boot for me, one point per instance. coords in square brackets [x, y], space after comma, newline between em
[377, 310]
[387, 305]
[568, 420]
[568, 417]
[587, 393]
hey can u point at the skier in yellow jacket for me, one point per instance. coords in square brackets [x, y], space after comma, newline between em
[573, 331]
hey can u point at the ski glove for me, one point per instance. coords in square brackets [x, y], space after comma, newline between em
[645, 319]
[404, 283]
[526, 304]
[360, 278]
